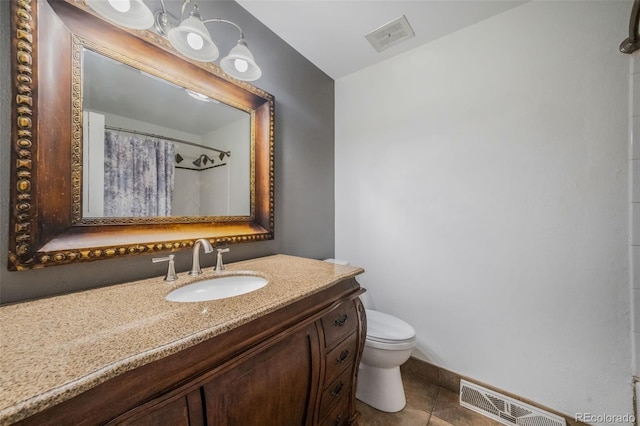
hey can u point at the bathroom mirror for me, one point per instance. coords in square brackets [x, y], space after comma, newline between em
[65, 62]
[153, 148]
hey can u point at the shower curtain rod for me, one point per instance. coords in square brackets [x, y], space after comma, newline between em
[135, 132]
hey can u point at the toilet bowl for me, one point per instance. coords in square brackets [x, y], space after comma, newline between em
[388, 345]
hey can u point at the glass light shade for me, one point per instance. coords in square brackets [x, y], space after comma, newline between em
[239, 63]
[137, 17]
[188, 35]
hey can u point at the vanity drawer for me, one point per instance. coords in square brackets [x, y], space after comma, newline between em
[339, 416]
[340, 322]
[340, 357]
[336, 394]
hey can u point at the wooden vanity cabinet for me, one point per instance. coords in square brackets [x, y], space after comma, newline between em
[295, 366]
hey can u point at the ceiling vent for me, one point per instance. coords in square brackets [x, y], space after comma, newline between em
[390, 34]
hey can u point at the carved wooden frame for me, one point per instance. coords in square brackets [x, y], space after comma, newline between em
[45, 171]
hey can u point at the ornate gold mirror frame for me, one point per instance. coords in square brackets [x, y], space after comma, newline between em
[46, 174]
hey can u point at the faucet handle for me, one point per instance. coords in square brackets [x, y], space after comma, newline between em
[219, 263]
[171, 270]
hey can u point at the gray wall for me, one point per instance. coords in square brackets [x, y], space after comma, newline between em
[304, 153]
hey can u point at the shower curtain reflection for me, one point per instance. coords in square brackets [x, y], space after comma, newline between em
[138, 175]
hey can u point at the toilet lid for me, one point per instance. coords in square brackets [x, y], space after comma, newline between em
[385, 327]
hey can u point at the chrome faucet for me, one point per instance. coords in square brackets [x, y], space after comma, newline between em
[195, 266]
[219, 264]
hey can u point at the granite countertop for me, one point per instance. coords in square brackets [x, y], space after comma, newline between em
[56, 348]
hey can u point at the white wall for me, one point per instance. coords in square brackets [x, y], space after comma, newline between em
[92, 164]
[482, 182]
[186, 201]
[214, 191]
[230, 191]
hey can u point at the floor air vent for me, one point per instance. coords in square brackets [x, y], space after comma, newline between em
[503, 409]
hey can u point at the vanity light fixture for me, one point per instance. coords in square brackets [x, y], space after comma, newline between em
[189, 36]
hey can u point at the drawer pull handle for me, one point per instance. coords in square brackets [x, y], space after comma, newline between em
[343, 356]
[338, 420]
[336, 391]
[341, 320]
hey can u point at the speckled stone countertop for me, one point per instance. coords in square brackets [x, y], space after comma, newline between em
[56, 348]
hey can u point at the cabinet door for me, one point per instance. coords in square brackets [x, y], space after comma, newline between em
[175, 409]
[275, 385]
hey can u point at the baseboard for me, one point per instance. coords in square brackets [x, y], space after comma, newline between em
[451, 381]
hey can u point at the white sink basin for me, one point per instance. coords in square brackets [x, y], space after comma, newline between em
[217, 288]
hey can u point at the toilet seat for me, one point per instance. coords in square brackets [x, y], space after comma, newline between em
[385, 331]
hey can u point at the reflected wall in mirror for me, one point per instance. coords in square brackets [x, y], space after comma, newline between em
[63, 118]
[153, 148]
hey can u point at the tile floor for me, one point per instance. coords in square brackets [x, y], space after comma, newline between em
[427, 404]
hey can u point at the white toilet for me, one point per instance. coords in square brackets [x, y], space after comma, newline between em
[388, 345]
